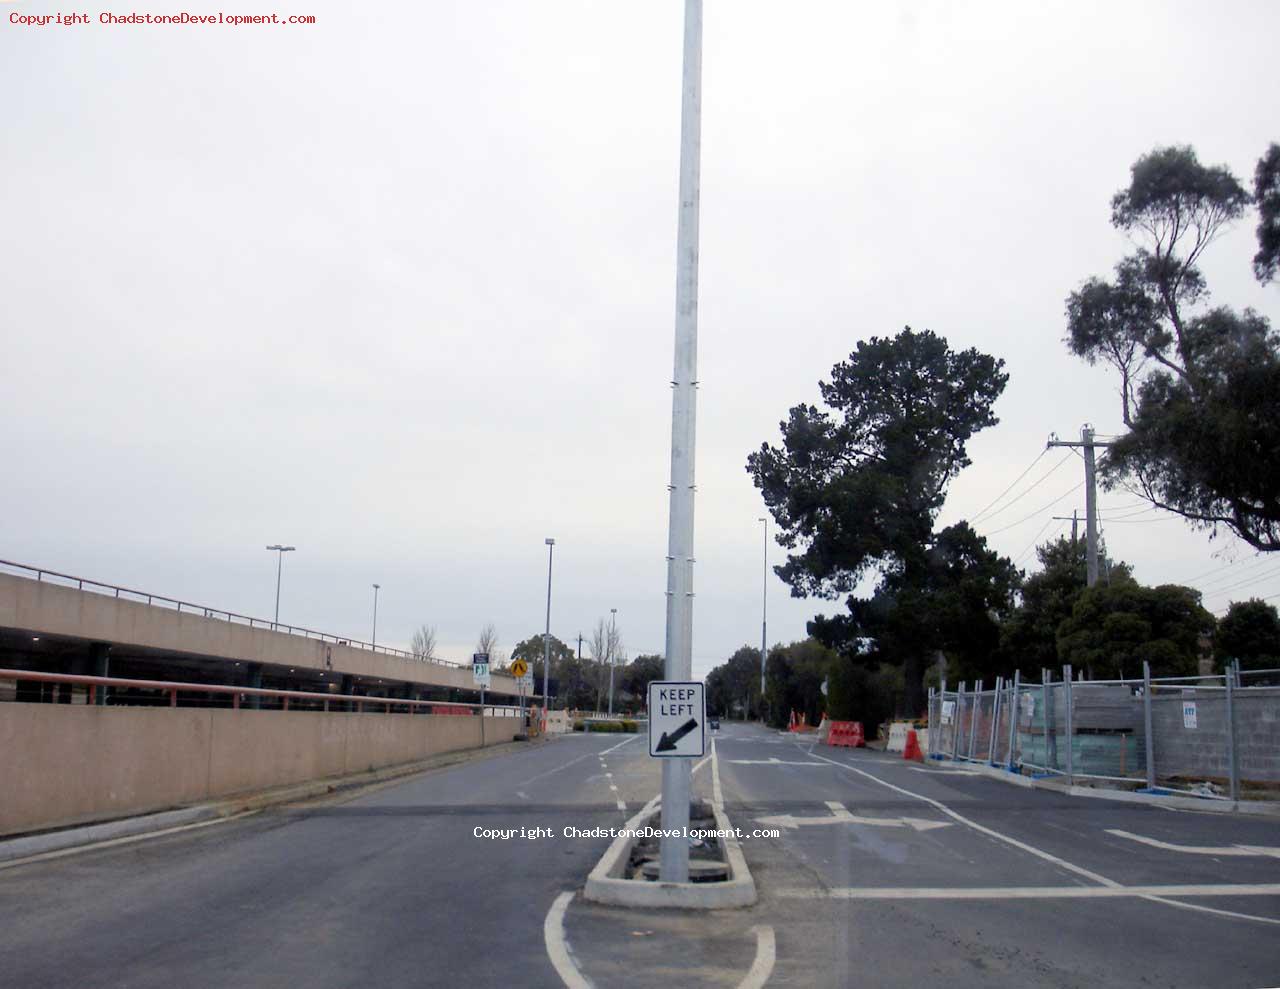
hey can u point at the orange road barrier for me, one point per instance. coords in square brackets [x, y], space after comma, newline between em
[912, 749]
[847, 734]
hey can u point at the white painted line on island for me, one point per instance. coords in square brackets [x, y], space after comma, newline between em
[558, 946]
[766, 955]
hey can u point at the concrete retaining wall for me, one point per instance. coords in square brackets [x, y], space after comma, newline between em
[70, 764]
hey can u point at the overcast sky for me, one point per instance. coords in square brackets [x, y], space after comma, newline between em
[397, 288]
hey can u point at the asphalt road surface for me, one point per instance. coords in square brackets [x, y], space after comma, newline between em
[883, 873]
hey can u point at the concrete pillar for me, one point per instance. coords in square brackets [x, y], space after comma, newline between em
[253, 678]
[347, 687]
[100, 666]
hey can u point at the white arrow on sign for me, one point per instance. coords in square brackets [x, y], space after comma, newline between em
[1199, 849]
[839, 815]
[771, 762]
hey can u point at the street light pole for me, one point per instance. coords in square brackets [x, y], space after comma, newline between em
[280, 550]
[613, 638]
[546, 638]
[374, 641]
[676, 773]
[764, 607]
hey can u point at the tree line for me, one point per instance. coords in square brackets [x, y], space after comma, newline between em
[857, 483]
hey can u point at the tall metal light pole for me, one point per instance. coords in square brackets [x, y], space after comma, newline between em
[764, 607]
[546, 638]
[613, 638]
[374, 640]
[281, 550]
[674, 863]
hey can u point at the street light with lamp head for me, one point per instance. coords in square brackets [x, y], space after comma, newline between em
[281, 550]
[764, 605]
[374, 643]
[546, 638]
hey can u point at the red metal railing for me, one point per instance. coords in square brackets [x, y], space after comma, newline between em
[173, 688]
[97, 586]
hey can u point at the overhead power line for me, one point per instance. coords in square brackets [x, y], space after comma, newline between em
[1222, 568]
[1244, 583]
[1010, 487]
[1035, 539]
[1043, 477]
[1039, 511]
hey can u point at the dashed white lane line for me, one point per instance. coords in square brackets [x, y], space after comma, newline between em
[558, 947]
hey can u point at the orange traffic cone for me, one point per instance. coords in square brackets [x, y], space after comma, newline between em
[912, 749]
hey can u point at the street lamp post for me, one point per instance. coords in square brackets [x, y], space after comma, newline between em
[374, 642]
[613, 638]
[764, 607]
[677, 773]
[546, 638]
[280, 550]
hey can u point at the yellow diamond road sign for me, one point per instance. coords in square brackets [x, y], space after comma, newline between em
[519, 668]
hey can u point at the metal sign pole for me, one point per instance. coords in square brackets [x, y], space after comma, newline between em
[676, 773]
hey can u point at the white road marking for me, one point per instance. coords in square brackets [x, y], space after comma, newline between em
[630, 738]
[839, 815]
[1253, 850]
[949, 772]
[1029, 892]
[126, 840]
[1029, 849]
[1200, 907]
[556, 769]
[770, 762]
[766, 955]
[558, 947]
[717, 795]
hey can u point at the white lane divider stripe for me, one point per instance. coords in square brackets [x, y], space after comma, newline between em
[1198, 849]
[1028, 892]
[630, 738]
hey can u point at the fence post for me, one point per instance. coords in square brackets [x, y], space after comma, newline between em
[995, 721]
[1066, 679]
[1050, 760]
[1146, 724]
[955, 734]
[973, 716]
[935, 745]
[1233, 771]
[929, 714]
[1014, 707]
